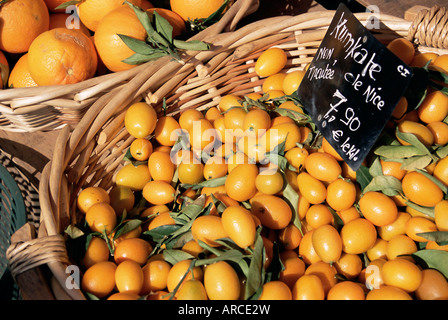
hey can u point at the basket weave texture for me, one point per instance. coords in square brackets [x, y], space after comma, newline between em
[92, 153]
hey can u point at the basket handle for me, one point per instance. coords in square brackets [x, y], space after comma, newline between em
[429, 26]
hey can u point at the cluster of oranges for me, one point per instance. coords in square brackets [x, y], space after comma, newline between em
[245, 200]
[42, 44]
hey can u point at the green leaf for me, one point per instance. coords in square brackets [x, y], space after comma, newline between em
[442, 152]
[127, 227]
[416, 162]
[255, 276]
[398, 151]
[435, 259]
[73, 232]
[292, 197]
[194, 45]
[389, 185]
[413, 140]
[216, 182]
[376, 168]
[163, 27]
[441, 237]
[416, 91]
[161, 233]
[138, 46]
[429, 211]
[363, 176]
[228, 255]
[59, 7]
[173, 256]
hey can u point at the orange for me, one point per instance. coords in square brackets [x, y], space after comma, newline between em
[398, 245]
[99, 279]
[256, 122]
[61, 56]
[308, 287]
[379, 250]
[294, 268]
[22, 22]
[371, 275]
[141, 149]
[441, 170]
[215, 167]
[296, 157]
[421, 59]
[274, 82]
[388, 293]
[187, 118]
[228, 101]
[434, 286]
[416, 225]
[403, 49]
[167, 131]
[195, 9]
[273, 212]
[162, 219]
[346, 290]
[358, 236]
[123, 296]
[348, 214]
[134, 177]
[101, 217]
[65, 20]
[191, 171]
[441, 215]
[397, 227]
[402, 273]
[420, 189]
[252, 146]
[4, 70]
[349, 265]
[140, 119]
[158, 192]
[306, 249]
[434, 107]
[422, 133]
[311, 188]
[326, 273]
[328, 148]
[290, 237]
[212, 114]
[92, 11]
[202, 135]
[378, 208]
[129, 277]
[275, 290]
[173, 18]
[97, 251]
[52, 4]
[161, 167]
[221, 281]
[155, 276]
[240, 183]
[234, 121]
[292, 81]
[323, 166]
[90, 196]
[269, 182]
[318, 215]
[327, 243]
[281, 119]
[192, 247]
[439, 130]
[181, 269]
[392, 168]
[441, 63]
[191, 289]
[239, 225]
[208, 229]
[111, 49]
[135, 249]
[270, 62]
[287, 133]
[341, 194]
[400, 108]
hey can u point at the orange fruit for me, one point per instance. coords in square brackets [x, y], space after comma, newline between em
[328, 148]
[270, 62]
[202, 135]
[397, 227]
[421, 59]
[133, 177]
[349, 265]
[323, 166]
[290, 237]
[65, 20]
[318, 215]
[215, 167]
[187, 118]
[111, 49]
[92, 11]
[434, 107]
[190, 170]
[403, 49]
[208, 229]
[162, 219]
[123, 296]
[346, 290]
[161, 167]
[423, 134]
[416, 225]
[308, 287]
[158, 192]
[294, 268]
[378, 208]
[256, 122]
[61, 56]
[311, 188]
[239, 225]
[22, 22]
[234, 121]
[155, 276]
[4, 70]
[135, 249]
[167, 131]
[379, 250]
[388, 293]
[292, 81]
[296, 157]
[402, 273]
[306, 249]
[341, 194]
[326, 273]
[269, 182]
[327, 243]
[240, 183]
[441, 63]
[99, 279]
[173, 18]
[358, 236]
[348, 214]
[398, 245]
[140, 119]
[101, 217]
[129, 277]
[195, 9]
[441, 170]
[287, 133]
[192, 247]
[434, 286]
[439, 130]
[191, 289]
[181, 269]
[221, 281]
[52, 4]
[97, 251]
[228, 101]
[274, 82]
[392, 168]
[141, 149]
[90, 196]
[420, 189]
[275, 290]
[273, 212]
[400, 109]
[212, 114]
[441, 215]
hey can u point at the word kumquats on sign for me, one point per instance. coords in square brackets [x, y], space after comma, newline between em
[246, 200]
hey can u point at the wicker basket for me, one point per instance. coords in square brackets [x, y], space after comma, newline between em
[93, 152]
[52, 107]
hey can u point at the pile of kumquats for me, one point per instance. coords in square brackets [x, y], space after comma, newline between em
[246, 200]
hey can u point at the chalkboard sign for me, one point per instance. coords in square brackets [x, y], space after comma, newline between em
[352, 87]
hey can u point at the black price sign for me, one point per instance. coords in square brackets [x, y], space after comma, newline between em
[352, 87]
